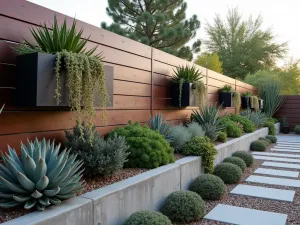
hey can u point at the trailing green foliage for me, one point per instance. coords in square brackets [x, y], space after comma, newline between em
[201, 146]
[41, 177]
[222, 137]
[297, 129]
[180, 136]
[209, 187]
[254, 103]
[258, 146]
[231, 128]
[201, 100]
[228, 172]
[270, 93]
[195, 130]
[246, 156]
[271, 126]
[236, 161]
[248, 125]
[147, 218]
[157, 123]
[237, 101]
[99, 156]
[56, 39]
[258, 118]
[184, 207]
[226, 88]
[148, 148]
[272, 138]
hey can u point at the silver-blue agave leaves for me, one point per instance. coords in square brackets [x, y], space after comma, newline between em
[41, 177]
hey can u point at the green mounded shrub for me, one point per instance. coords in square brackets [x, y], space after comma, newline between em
[99, 156]
[297, 129]
[201, 146]
[230, 127]
[209, 187]
[222, 137]
[246, 156]
[258, 146]
[148, 148]
[147, 218]
[184, 207]
[236, 161]
[180, 136]
[271, 126]
[266, 140]
[228, 172]
[272, 138]
[248, 125]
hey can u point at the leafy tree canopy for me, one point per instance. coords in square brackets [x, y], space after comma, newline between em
[210, 61]
[243, 46]
[158, 23]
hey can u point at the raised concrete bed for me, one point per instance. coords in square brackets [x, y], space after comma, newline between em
[238, 144]
[277, 128]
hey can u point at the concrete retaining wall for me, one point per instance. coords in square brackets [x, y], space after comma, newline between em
[277, 127]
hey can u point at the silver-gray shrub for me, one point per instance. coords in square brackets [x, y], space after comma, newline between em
[195, 130]
[180, 136]
[100, 156]
[258, 118]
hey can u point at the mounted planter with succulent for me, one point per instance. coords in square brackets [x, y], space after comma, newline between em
[225, 95]
[187, 87]
[246, 99]
[60, 71]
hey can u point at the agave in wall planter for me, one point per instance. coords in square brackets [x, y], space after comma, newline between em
[226, 95]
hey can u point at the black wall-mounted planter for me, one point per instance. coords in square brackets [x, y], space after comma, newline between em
[245, 102]
[36, 81]
[261, 103]
[225, 98]
[188, 95]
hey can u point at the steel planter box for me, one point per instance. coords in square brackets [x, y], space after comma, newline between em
[188, 95]
[225, 98]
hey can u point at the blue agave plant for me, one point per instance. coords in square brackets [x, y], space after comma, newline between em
[41, 177]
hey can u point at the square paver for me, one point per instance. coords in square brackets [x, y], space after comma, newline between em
[263, 192]
[245, 216]
[268, 158]
[281, 173]
[282, 165]
[285, 150]
[274, 181]
[287, 146]
[277, 154]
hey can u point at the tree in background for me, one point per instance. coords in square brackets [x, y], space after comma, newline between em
[210, 61]
[158, 23]
[243, 46]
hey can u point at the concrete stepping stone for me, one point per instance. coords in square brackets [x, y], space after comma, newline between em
[287, 147]
[285, 150]
[288, 142]
[281, 173]
[274, 181]
[263, 192]
[282, 165]
[275, 159]
[245, 216]
[276, 154]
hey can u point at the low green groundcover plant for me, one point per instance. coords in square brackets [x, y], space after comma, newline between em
[184, 207]
[148, 148]
[222, 137]
[297, 129]
[248, 125]
[201, 146]
[246, 156]
[236, 161]
[228, 172]
[209, 187]
[231, 128]
[268, 142]
[272, 138]
[147, 218]
[258, 146]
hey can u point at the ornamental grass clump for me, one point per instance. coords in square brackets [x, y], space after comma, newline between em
[148, 148]
[246, 156]
[228, 172]
[236, 161]
[147, 218]
[99, 156]
[43, 176]
[184, 207]
[209, 187]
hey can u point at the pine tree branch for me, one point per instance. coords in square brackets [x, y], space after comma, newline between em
[170, 45]
[131, 9]
[141, 6]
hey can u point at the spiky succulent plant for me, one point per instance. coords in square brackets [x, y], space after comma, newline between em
[41, 177]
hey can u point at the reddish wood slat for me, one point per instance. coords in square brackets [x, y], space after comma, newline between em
[129, 88]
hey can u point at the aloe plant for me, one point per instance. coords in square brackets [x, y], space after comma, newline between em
[157, 123]
[41, 177]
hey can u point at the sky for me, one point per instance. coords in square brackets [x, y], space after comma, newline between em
[281, 16]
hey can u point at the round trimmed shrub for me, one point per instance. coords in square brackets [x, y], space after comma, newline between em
[297, 129]
[258, 146]
[184, 207]
[266, 140]
[209, 187]
[147, 218]
[228, 172]
[201, 146]
[246, 156]
[236, 161]
[222, 137]
[233, 130]
[148, 148]
[272, 138]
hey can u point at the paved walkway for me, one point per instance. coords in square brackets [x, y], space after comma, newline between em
[284, 151]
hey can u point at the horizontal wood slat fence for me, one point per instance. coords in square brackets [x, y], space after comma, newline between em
[142, 78]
